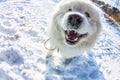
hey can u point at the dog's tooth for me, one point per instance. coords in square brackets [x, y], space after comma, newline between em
[67, 37]
[76, 39]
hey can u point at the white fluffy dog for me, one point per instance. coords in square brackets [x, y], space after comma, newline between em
[74, 27]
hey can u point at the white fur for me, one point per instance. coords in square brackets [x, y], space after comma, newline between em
[91, 25]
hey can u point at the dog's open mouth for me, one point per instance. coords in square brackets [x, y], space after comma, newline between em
[72, 37]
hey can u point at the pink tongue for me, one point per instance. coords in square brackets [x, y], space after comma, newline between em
[72, 35]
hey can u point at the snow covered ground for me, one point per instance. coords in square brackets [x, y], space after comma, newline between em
[23, 27]
[115, 3]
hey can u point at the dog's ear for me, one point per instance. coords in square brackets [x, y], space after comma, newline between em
[97, 15]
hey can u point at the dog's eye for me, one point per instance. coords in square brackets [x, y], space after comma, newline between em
[87, 14]
[69, 9]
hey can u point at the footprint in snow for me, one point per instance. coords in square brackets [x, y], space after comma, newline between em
[11, 56]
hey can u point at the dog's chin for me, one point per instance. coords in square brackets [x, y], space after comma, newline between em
[72, 37]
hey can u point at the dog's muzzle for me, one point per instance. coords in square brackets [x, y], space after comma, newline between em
[72, 37]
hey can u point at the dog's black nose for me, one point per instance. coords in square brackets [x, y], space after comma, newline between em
[75, 20]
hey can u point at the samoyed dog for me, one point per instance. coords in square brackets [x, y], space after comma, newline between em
[74, 28]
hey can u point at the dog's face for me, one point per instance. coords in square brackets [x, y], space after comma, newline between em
[77, 22]
[75, 25]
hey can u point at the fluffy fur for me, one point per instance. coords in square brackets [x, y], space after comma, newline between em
[72, 40]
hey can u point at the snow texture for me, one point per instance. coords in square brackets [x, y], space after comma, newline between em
[23, 28]
[114, 3]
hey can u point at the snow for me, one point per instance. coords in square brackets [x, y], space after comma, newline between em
[115, 3]
[23, 27]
